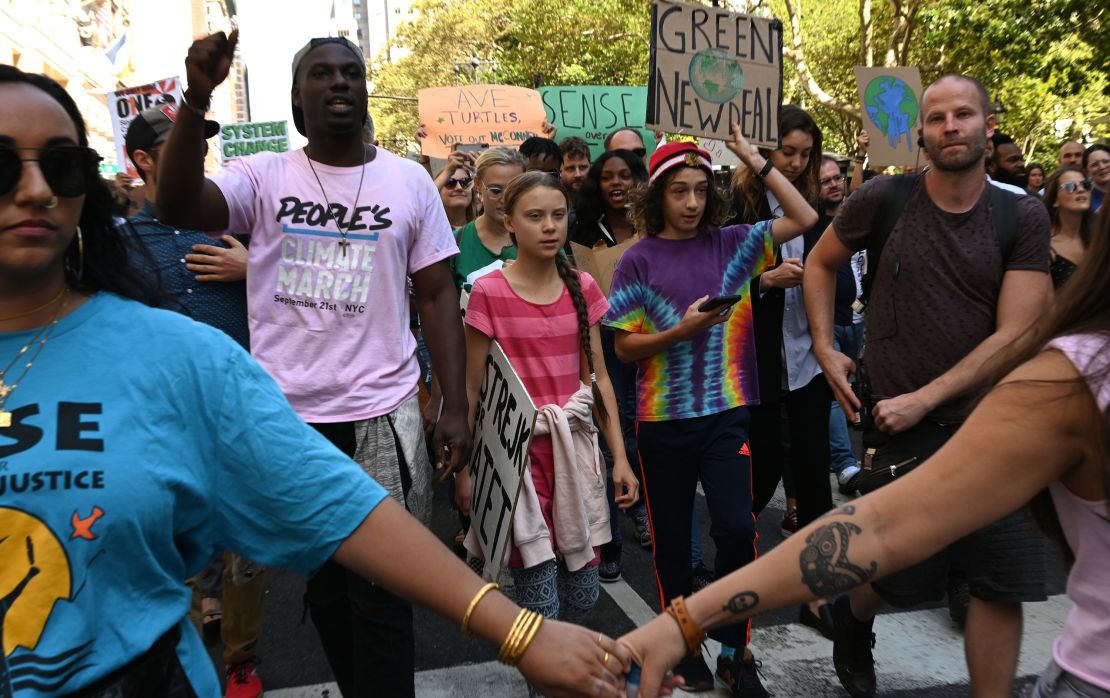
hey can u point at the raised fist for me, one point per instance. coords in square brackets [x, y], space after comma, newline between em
[207, 65]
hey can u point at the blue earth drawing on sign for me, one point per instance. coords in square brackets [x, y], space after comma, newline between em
[892, 106]
[716, 76]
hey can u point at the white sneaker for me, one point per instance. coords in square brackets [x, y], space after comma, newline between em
[848, 479]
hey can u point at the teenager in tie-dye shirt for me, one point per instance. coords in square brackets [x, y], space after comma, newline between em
[696, 370]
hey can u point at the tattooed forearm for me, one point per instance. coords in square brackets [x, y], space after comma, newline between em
[846, 510]
[742, 602]
[826, 569]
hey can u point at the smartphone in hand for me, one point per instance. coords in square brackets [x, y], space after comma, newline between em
[718, 303]
[471, 147]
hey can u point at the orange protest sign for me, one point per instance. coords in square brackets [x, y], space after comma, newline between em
[490, 114]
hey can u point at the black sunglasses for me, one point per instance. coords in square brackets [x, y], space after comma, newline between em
[460, 183]
[640, 152]
[70, 170]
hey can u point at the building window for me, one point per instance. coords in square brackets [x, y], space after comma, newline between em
[344, 33]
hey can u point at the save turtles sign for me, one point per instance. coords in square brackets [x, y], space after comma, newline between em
[890, 98]
[711, 68]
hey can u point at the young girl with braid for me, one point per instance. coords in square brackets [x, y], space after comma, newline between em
[545, 314]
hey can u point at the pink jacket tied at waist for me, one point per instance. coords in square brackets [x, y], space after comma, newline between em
[580, 510]
[580, 506]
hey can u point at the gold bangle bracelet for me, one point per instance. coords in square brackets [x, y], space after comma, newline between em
[527, 641]
[513, 651]
[474, 604]
[515, 632]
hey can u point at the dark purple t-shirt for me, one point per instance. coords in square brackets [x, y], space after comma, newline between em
[935, 294]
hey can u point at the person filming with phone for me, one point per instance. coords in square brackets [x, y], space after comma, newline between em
[696, 368]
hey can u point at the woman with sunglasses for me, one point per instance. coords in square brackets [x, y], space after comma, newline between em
[1067, 196]
[485, 239]
[137, 442]
[455, 183]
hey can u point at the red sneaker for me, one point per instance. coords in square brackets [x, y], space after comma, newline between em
[243, 681]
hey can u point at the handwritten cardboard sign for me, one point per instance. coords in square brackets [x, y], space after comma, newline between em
[711, 67]
[126, 104]
[600, 263]
[503, 427]
[491, 114]
[722, 156]
[592, 112]
[890, 99]
[240, 140]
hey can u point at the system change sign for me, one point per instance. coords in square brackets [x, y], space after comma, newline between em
[503, 427]
[240, 140]
[710, 68]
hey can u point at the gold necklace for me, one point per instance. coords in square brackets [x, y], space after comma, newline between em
[32, 311]
[41, 336]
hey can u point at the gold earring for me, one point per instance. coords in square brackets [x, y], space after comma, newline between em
[51, 203]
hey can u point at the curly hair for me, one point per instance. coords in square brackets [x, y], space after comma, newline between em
[645, 208]
[519, 186]
[751, 190]
[103, 260]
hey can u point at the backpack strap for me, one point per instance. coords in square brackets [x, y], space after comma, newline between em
[889, 209]
[1004, 218]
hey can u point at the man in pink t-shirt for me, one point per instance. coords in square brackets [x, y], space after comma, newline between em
[336, 228]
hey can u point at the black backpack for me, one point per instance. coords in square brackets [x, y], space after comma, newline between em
[893, 202]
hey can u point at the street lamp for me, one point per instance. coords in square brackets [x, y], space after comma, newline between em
[474, 63]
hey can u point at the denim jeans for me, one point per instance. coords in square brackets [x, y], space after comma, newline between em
[848, 340]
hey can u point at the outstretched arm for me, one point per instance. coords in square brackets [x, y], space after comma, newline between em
[563, 660]
[1016, 452]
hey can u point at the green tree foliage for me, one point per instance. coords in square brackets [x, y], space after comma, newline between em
[563, 42]
[1047, 61]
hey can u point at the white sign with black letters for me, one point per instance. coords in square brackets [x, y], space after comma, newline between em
[503, 426]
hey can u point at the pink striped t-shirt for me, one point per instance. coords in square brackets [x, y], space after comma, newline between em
[540, 340]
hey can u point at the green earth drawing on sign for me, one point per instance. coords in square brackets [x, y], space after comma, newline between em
[716, 76]
[892, 106]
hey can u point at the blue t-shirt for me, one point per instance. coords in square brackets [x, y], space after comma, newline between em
[141, 444]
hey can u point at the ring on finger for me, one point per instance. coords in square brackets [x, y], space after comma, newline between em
[605, 658]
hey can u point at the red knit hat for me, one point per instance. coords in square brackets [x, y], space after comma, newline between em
[678, 154]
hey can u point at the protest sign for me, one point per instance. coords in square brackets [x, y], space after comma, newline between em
[126, 104]
[711, 67]
[600, 263]
[719, 152]
[239, 140]
[891, 102]
[490, 114]
[503, 426]
[592, 112]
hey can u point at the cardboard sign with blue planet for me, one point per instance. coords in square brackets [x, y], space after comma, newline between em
[710, 68]
[890, 100]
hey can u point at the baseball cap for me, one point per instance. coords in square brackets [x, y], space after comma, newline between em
[298, 114]
[152, 127]
[678, 154]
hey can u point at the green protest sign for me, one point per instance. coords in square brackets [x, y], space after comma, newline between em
[240, 140]
[592, 112]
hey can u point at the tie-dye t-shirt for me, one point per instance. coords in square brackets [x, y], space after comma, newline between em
[655, 282]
